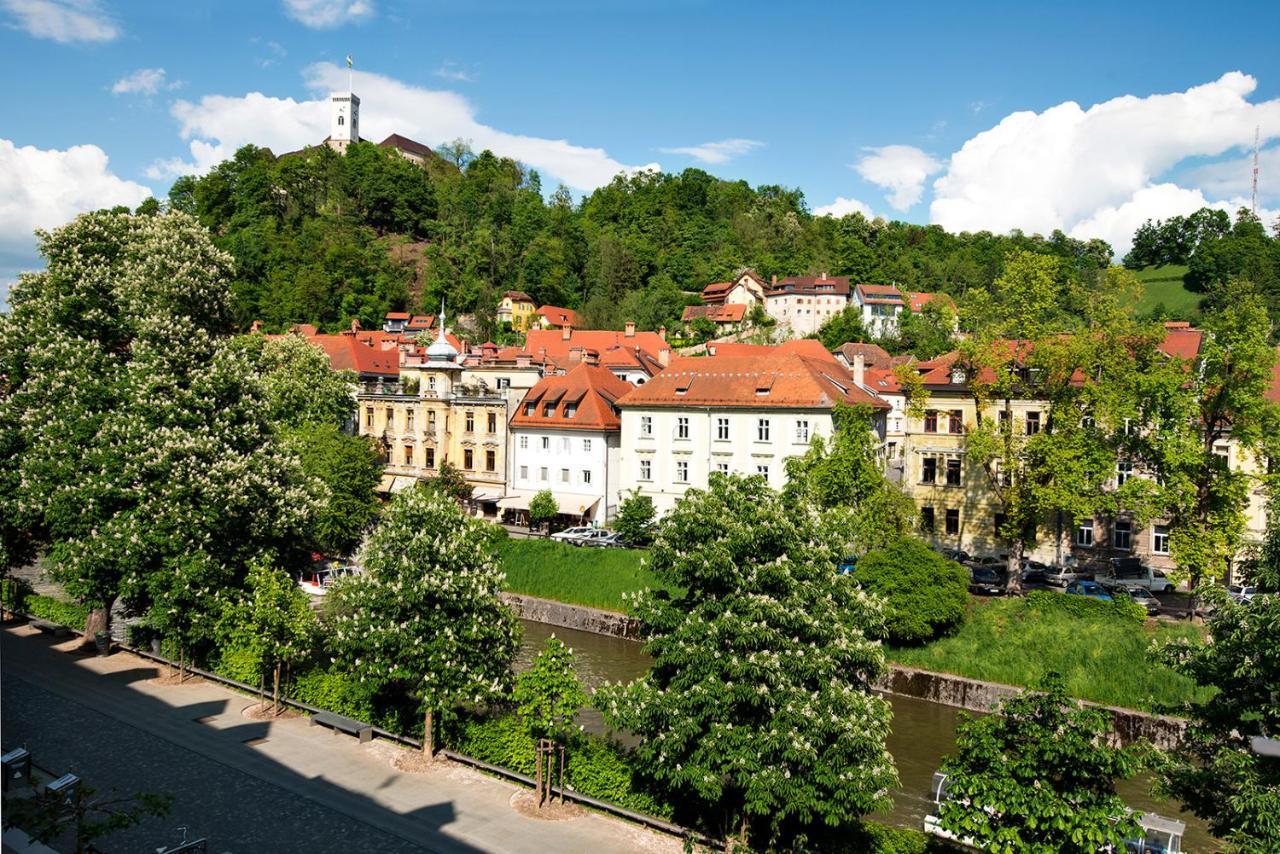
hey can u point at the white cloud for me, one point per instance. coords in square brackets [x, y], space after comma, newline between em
[1235, 176]
[450, 70]
[46, 188]
[144, 81]
[901, 169]
[716, 152]
[842, 206]
[62, 20]
[327, 14]
[1094, 172]
[217, 125]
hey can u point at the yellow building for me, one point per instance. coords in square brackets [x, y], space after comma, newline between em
[517, 309]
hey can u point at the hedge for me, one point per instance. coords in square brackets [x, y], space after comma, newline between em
[67, 614]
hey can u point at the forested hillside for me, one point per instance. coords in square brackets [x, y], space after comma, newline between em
[322, 238]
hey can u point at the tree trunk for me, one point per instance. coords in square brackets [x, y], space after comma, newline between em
[1013, 584]
[275, 691]
[428, 748]
[98, 620]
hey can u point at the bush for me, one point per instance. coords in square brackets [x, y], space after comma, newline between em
[239, 663]
[927, 593]
[67, 614]
[1085, 606]
[14, 593]
[334, 692]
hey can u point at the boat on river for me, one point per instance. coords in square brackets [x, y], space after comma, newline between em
[318, 580]
[1160, 835]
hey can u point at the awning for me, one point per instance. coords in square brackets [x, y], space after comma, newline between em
[484, 495]
[384, 485]
[400, 484]
[569, 504]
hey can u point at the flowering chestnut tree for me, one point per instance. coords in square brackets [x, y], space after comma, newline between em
[425, 617]
[759, 703]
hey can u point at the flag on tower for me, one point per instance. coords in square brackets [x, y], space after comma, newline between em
[348, 60]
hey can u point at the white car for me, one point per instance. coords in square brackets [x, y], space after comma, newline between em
[1242, 593]
[569, 535]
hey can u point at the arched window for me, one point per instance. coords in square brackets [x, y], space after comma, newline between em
[341, 121]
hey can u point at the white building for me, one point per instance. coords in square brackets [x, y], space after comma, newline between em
[882, 306]
[804, 303]
[746, 289]
[344, 120]
[566, 438]
[746, 410]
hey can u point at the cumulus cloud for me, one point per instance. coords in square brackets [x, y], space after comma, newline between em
[1097, 172]
[842, 206]
[46, 188]
[62, 20]
[217, 125]
[328, 14]
[144, 81]
[1234, 177]
[901, 169]
[716, 152]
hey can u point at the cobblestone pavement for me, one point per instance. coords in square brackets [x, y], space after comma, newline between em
[252, 786]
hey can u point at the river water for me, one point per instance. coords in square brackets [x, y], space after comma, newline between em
[923, 732]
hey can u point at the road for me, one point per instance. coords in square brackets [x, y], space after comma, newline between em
[251, 786]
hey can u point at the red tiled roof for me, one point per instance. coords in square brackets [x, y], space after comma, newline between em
[409, 146]
[873, 355]
[359, 353]
[810, 286]
[883, 294]
[397, 315]
[421, 321]
[716, 291]
[882, 381]
[589, 392]
[557, 316]
[598, 340]
[1181, 340]
[919, 300]
[722, 313]
[810, 348]
[780, 379]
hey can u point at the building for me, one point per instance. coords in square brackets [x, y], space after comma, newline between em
[344, 120]
[632, 356]
[804, 303]
[726, 316]
[747, 288]
[745, 409]
[874, 357]
[516, 309]
[554, 317]
[882, 305]
[566, 435]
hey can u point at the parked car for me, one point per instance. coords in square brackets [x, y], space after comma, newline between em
[1092, 589]
[846, 565]
[571, 534]
[985, 580]
[1061, 576]
[1242, 593]
[996, 562]
[1034, 571]
[1132, 572]
[607, 540]
[957, 555]
[1140, 596]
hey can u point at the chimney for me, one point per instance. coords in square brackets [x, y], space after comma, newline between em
[566, 332]
[664, 356]
[859, 367]
[824, 274]
[662, 332]
[774, 280]
[355, 324]
[629, 330]
[522, 360]
[575, 355]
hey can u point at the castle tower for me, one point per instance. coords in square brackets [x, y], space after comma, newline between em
[344, 123]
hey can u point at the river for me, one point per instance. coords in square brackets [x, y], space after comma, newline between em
[923, 732]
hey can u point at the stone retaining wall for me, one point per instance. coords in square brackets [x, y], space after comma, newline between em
[578, 617]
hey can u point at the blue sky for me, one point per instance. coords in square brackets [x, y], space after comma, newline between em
[897, 112]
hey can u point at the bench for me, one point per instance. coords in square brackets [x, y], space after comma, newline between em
[49, 628]
[338, 724]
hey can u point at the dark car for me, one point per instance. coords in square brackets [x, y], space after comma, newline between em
[957, 555]
[1091, 589]
[1138, 595]
[846, 565]
[985, 580]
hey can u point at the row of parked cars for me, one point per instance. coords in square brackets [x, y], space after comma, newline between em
[597, 538]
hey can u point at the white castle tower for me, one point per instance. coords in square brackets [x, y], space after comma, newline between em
[344, 123]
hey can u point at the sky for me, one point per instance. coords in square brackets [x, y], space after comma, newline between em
[1086, 117]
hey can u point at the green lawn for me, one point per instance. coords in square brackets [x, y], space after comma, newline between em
[1163, 286]
[580, 576]
[1103, 658]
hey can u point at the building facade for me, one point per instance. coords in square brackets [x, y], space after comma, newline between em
[516, 308]
[804, 303]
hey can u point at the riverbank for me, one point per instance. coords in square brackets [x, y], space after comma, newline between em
[595, 578]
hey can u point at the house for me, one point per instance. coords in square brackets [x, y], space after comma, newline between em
[631, 355]
[394, 322]
[747, 288]
[726, 316]
[744, 409]
[554, 317]
[418, 324]
[874, 357]
[881, 306]
[804, 303]
[516, 309]
[566, 435]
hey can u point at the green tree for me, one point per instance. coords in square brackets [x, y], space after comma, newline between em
[47, 815]
[1214, 771]
[450, 481]
[1038, 776]
[282, 626]
[636, 519]
[350, 467]
[542, 508]
[299, 385]
[843, 328]
[425, 618]
[759, 706]
[926, 594]
[548, 695]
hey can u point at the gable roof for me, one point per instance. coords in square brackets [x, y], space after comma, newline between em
[718, 313]
[408, 146]
[517, 296]
[585, 398]
[397, 315]
[600, 341]
[810, 348]
[810, 285]
[879, 294]
[918, 300]
[558, 316]
[717, 291]
[365, 353]
[873, 355]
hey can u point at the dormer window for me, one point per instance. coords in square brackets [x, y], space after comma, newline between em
[570, 410]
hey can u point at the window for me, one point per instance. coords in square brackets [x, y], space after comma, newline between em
[723, 468]
[368, 416]
[926, 519]
[998, 528]
[953, 472]
[1033, 423]
[586, 476]
[493, 422]
[564, 475]
[929, 470]
[570, 410]
[722, 429]
[646, 470]
[1124, 471]
[542, 473]
[468, 459]
[802, 431]
[682, 471]
[341, 121]
[408, 420]
[564, 444]
[471, 422]
[763, 471]
[546, 443]
[431, 383]
[1160, 540]
[524, 472]
[1221, 451]
[431, 420]
[548, 410]
[956, 422]
[524, 443]
[1005, 419]
[931, 421]
[408, 455]
[762, 430]
[504, 382]
[431, 457]
[646, 425]
[682, 427]
[528, 409]
[1084, 533]
[490, 460]
[1088, 423]
[391, 417]
[1122, 534]
[953, 523]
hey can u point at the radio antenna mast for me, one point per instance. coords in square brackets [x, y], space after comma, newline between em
[1256, 130]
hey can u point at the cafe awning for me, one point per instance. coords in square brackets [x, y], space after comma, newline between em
[384, 485]
[568, 503]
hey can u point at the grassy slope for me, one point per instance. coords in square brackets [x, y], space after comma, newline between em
[1102, 659]
[1164, 285]
[580, 576]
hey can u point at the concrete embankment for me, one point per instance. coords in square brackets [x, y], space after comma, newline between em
[578, 617]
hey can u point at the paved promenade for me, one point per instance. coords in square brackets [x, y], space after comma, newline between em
[252, 786]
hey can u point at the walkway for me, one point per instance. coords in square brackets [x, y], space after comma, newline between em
[254, 786]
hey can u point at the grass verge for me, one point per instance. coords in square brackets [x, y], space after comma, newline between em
[580, 576]
[1103, 657]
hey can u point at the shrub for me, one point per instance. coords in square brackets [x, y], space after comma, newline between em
[1085, 607]
[67, 614]
[240, 663]
[334, 692]
[927, 593]
[14, 593]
